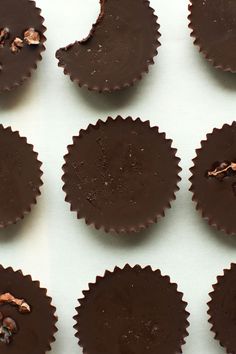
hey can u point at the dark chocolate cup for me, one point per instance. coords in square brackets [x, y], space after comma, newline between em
[201, 34]
[36, 329]
[215, 199]
[133, 309]
[115, 86]
[20, 177]
[222, 309]
[142, 208]
[23, 75]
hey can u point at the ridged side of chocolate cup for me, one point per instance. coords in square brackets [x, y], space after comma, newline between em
[144, 223]
[215, 326]
[197, 41]
[107, 88]
[26, 280]
[28, 208]
[28, 74]
[208, 217]
[136, 269]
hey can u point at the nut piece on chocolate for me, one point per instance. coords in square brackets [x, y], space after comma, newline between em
[16, 45]
[21, 41]
[32, 37]
[8, 328]
[118, 50]
[214, 179]
[4, 34]
[26, 326]
[8, 298]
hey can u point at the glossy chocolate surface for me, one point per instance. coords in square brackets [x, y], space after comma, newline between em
[222, 309]
[214, 27]
[120, 174]
[19, 176]
[132, 311]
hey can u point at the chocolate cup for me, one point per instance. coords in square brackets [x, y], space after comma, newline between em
[110, 72]
[20, 69]
[222, 309]
[214, 32]
[20, 177]
[132, 310]
[111, 155]
[215, 198]
[36, 329]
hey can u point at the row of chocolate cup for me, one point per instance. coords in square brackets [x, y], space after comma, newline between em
[129, 310]
[107, 60]
[121, 175]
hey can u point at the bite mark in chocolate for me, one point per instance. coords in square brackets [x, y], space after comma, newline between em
[118, 50]
[22, 305]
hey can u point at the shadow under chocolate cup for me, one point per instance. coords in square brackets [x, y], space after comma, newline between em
[120, 175]
[27, 317]
[132, 310]
[20, 177]
[21, 41]
[118, 50]
[222, 309]
[214, 178]
[213, 27]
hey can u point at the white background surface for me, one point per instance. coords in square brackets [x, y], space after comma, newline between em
[186, 98]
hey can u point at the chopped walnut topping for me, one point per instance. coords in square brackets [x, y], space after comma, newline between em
[31, 37]
[23, 307]
[222, 169]
[16, 45]
[10, 324]
[4, 34]
[8, 327]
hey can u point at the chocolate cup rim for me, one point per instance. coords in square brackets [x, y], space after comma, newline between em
[209, 218]
[197, 42]
[52, 312]
[117, 269]
[37, 191]
[31, 69]
[209, 312]
[150, 220]
[109, 89]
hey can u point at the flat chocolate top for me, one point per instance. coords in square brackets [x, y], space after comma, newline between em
[119, 48]
[121, 174]
[214, 25]
[132, 311]
[19, 176]
[222, 309]
[216, 195]
[35, 329]
[18, 16]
